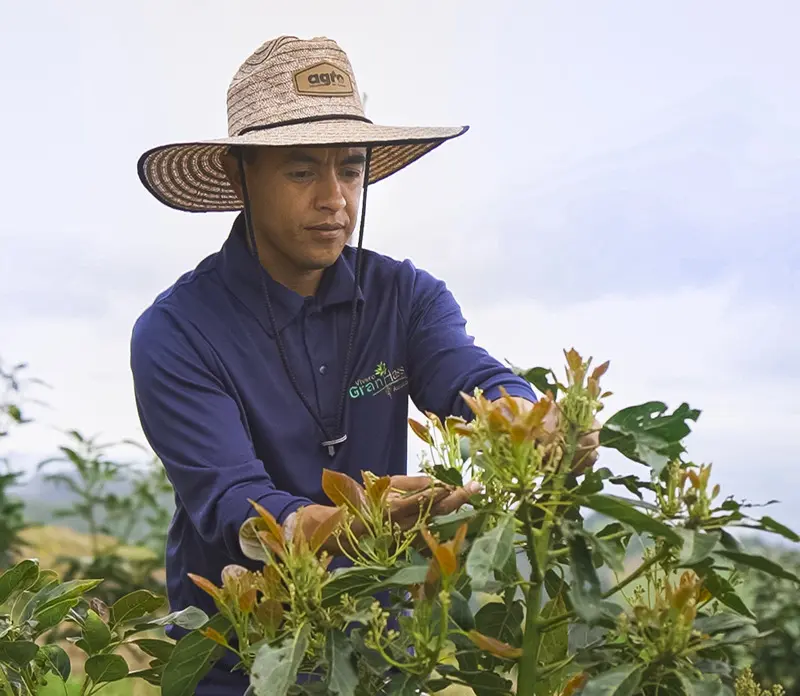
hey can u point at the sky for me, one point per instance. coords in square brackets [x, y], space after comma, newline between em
[628, 187]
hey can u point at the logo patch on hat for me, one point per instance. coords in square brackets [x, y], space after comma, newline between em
[323, 79]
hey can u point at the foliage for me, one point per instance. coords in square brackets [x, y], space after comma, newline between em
[12, 517]
[668, 624]
[773, 657]
[95, 480]
[34, 601]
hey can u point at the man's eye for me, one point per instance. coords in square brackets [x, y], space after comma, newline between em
[300, 175]
[351, 173]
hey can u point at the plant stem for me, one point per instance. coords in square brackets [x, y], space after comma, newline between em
[5, 684]
[531, 642]
[641, 570]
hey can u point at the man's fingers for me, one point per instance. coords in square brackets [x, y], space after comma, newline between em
[410, 483]
[456, 499]
[401, 507]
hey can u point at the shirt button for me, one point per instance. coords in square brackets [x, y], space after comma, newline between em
[323, 369]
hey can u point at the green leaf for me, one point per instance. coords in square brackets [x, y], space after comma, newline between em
[106, 668]
[18, 652]
[342, 678]
[192, 658]
[585, 593]
[152, 675]
[760, 563]
[355, 581]
[370, 658]
[554, 646]
[134, 606]
[404, 684]
[448, 475]
[410, 575]
[46, 578]
[55, 594]
[539, 377]
[445, 526]
[497, 620]
[612, 552]
[159, 649]
[190, 618]
[275, 668]
[620, 681]
[770, 525]
[18, 578]
[647, 434]
[721, 623]
[486, 683]
[490, 552]
[729, 541]
[434, 686]
[708, 685]
[623, 511]
[53, 615]
[56, 660]
[697, 546]
[632, 483]
[460, 611]
[95, 632]
[722, 590]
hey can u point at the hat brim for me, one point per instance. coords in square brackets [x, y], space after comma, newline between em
[190, 176]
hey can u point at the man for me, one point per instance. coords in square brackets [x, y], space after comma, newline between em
[289, 351]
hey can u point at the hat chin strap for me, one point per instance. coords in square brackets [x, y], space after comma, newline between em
[330, 441]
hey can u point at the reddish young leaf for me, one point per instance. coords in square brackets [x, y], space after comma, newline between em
[273, 527]
[278, 548]
[205, 585]
[458, 540]
[247, 600]
[216, 636]
[270, 614]
[494, 646]
[420, 430]
[342, 490]
[375, 486]
[324, 530]
[576, 683]
[600, 370]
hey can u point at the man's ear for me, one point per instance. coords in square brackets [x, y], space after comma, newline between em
[230, 164]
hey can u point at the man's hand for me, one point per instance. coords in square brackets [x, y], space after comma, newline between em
[407, 497]
[586, 453]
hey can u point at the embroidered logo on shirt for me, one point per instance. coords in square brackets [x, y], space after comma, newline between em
[383, 380]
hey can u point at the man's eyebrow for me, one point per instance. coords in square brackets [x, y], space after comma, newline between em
[355, 159]
[298, 156]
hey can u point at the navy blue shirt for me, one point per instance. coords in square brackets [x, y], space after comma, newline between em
[218, 408]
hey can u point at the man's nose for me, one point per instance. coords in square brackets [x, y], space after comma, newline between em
[330, 195]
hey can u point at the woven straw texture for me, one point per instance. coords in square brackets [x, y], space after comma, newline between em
[276, 99]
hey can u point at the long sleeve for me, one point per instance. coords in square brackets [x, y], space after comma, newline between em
[444, 360]
[197, 429]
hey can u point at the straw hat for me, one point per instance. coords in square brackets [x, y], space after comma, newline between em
[290, 92]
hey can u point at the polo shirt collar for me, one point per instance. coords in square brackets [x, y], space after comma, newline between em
[239, 271]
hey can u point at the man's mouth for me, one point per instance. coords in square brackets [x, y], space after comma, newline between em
[327, 227]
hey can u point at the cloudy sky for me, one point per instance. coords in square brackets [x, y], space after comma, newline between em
[628, 187]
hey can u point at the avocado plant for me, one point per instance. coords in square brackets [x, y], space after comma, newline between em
[492, 596]
[35, 601]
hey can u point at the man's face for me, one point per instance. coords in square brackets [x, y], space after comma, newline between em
[303, 203]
